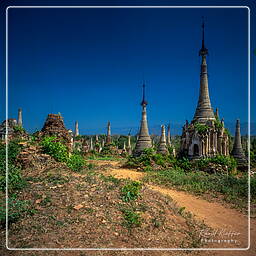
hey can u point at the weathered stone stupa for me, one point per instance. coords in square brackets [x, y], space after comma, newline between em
[169, 136]
[129, 148]
[237, 151]
[76, 129]
[144, 140]
[162, 147]
[20, 117]
[108, 141]
[205, 136]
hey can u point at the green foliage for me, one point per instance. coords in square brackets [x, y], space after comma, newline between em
[218, 123]
[55, 149]
[234, 189]
[19, 129]
[16, 208]
[253, 152]
[131, 218]
[225, 161]
[131, 191]
[201, 128]
[15, 180]
[183, 163]
[226, 131]
[91, 166]
[76, 162]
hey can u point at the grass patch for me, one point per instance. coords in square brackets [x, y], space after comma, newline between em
[234, 189]
[132, 218]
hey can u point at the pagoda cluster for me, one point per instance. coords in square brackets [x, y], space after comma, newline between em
[205, 136]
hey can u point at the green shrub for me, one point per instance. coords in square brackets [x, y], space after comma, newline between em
[131, 191]
[19, 129]
[225, 161]
[132, 218]
[15, 180]
[76, 162]
[55, 149]
[201, 128]
[16, 208]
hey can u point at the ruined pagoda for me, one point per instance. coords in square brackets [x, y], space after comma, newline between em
[144, 140]
[162, 147]
[237, 151]
[205, 136]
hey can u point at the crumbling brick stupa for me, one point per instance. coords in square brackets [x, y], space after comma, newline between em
[54, 126]
[14, 127]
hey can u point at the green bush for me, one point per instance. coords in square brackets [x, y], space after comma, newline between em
[19, 129]
[131, 191]
[132, 218]
[225, 161]
[16, 208]
[55, 149]
[15, 180]
[76, 162]
[201, 128]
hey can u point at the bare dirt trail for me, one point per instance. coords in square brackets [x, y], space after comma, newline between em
[213, 214]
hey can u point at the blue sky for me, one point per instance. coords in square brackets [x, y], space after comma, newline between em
[89, 64]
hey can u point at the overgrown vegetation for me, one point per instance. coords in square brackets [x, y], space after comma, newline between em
[234, 189]
[16, 207]
[60, 153]
[131, 191]
[15, 180]
[149, 161]
[201, 128]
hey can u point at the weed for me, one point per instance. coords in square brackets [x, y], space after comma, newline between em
[16, 208]
[131, 191]
[76, 162]
[131, 218]
[55, 149]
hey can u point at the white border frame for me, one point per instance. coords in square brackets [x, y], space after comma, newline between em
[128, 249]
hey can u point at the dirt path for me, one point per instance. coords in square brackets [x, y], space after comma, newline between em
[213, 214]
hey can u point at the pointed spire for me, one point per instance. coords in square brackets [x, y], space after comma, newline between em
[162, 148]
[237, 151]
[76, 129]
[108, 134]
[144, 102]
[203, 51]
[169, 135]
[96, 138]
[20, 117]
[204, 111]
[144, 140]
